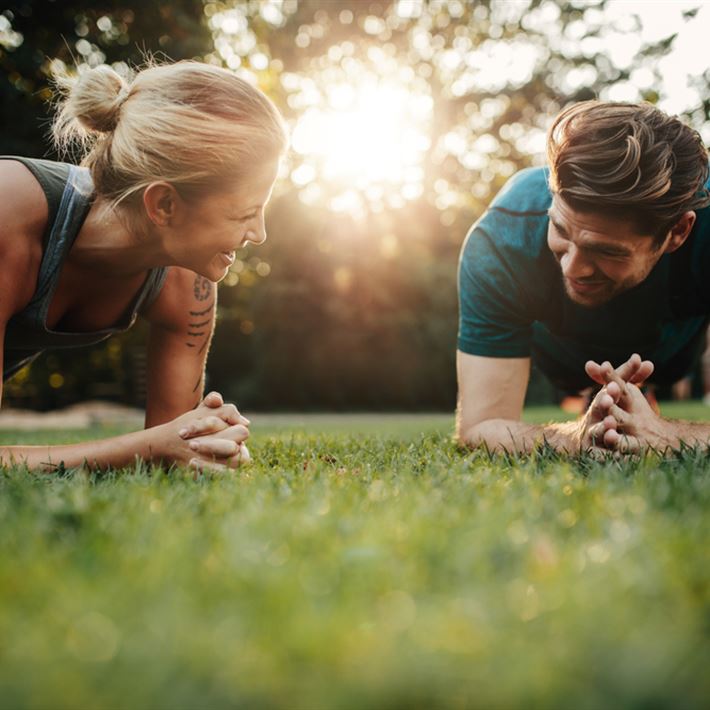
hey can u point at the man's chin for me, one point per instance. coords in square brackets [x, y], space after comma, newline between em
[591, 299]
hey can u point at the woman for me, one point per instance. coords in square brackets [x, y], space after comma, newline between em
[179, 166]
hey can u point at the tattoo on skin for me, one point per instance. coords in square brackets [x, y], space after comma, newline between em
[203, 312]
[202, 288]
[201, 319]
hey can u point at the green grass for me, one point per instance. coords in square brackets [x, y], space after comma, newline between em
[358, 563]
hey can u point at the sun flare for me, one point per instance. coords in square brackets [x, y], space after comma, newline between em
[362, 141]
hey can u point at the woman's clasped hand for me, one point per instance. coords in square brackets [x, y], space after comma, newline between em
[210, 437]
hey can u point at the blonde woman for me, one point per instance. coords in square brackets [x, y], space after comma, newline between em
[178, 167]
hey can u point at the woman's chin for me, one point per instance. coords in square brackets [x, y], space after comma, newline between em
[213, 271]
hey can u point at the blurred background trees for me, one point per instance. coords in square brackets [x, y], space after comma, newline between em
[406, 118]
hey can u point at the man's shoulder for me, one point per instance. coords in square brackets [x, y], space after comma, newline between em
[516, 221]
[526, 194]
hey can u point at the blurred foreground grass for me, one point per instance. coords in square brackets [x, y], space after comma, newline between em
[360, 562]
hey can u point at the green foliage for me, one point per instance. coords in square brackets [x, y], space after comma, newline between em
[357, 569]
[348, 309]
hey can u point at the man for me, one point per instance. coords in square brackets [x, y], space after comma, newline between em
[602, 255]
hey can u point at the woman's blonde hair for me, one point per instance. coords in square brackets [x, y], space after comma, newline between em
[190, 124]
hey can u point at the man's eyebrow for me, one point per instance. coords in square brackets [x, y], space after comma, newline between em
[601, 247]
[557, 224]
[607, 248]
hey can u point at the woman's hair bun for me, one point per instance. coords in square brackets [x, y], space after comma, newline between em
[194, 125]
[94, 99]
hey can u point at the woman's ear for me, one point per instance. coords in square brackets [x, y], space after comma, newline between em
[162, 204]
[680, 231]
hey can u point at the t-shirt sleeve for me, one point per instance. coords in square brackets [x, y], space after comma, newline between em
[493, 321]
[503, 269]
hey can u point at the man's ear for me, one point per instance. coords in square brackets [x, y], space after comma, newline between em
[162, 203]
[679, 232]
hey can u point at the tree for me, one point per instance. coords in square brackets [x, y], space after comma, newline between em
[352, 301]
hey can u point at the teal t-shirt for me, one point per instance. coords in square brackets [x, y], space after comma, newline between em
[512, 301]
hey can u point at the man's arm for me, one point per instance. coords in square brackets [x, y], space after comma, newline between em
[490, 402]
[182, 321]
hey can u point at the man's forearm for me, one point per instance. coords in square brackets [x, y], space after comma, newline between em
[515, 436]
[105, 453]
[676, 432]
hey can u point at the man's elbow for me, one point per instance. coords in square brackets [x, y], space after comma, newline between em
[490, 434]
[470, 435]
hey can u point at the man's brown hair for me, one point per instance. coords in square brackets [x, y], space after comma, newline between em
[628, 160]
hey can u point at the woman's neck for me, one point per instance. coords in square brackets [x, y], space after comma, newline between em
[110, 242]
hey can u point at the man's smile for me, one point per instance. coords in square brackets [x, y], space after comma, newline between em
[584, 287]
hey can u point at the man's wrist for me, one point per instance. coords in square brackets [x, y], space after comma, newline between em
[563, 436]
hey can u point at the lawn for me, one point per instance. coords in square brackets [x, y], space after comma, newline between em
[362, 561]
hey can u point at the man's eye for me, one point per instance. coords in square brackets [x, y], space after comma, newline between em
[560, 232]
[248, 217]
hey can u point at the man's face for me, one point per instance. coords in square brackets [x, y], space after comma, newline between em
[600, 257]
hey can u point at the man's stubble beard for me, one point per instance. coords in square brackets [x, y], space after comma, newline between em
[608, 293]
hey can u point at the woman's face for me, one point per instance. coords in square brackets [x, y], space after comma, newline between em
[216, 225]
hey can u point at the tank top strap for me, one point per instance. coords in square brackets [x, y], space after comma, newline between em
[151, 289]
[73, 208]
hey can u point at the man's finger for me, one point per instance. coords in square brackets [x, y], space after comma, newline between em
[614, 391]
[624, 443]
[642, 374]
[596, 433]
[621, 415]
[596, 371]
[593, 370]
[629, 369]
[610, 421]
[633, 370]
[600, 405]
[611, 376]
[601, 454]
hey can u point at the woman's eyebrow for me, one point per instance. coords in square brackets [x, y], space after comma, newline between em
[248, 210]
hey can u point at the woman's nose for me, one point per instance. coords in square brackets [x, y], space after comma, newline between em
[257, 234]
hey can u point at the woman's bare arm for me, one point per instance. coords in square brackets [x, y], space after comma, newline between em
[182, 321]
[208, 437]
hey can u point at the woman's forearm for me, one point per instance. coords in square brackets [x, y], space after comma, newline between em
[113, 452]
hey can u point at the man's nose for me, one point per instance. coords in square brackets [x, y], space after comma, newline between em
[575, 265]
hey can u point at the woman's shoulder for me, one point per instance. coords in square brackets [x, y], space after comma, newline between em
[28, 201]
[23, 220]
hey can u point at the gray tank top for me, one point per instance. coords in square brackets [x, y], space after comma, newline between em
[27, 334]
